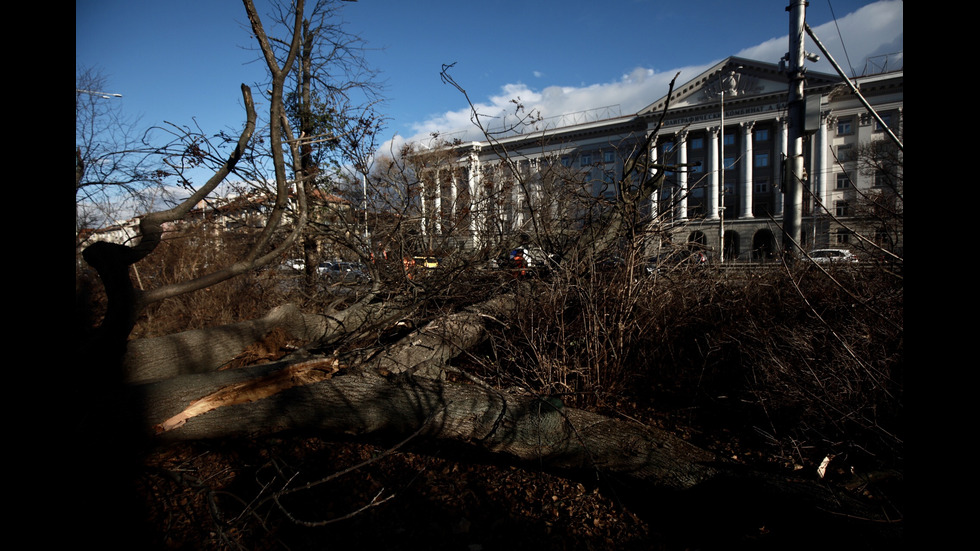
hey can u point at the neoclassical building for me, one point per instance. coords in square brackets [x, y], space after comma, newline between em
[729, 127]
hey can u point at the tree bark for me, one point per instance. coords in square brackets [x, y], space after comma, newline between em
[207, 350]
[526, 429]
[383, 397]
[651, 467]
[428, 350]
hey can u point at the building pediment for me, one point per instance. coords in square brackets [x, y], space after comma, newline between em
[734, 84]
[737, 79]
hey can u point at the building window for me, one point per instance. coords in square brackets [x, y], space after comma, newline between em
[843, 180]
[762, 186]
[761, 160]
[608, 189]
[566, 162]
[845, 153]
[697, 143]
[843, 237]
[729, 163]
[881, 204]
[585, 159]
[887, 118]
[696, 168]
[841, 208]
[608, 156]
[762, 135]
[729, 139]
[667, 147]
[880, 178]
[845, 126]
[883, 239]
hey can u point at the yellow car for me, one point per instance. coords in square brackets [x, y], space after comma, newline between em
[428, 262]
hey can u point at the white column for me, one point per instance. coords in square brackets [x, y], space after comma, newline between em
[437, 208]
[422, 199]
[714, 165]
[534, 187]
[534, 178]
[900, 125]
[782, 146]
[681, 209]
[453, 192]
[745, 187]
[653, 171]
[516, 198]
[823, 169]
[492, 188]
[473, 184]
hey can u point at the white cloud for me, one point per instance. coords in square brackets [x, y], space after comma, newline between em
[629, 94]
[873, 30]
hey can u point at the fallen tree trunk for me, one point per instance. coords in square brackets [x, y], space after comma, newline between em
[527, 429]
[383, 397]
[662, 472]
[429, 350]
[210, 349]
[404, 391]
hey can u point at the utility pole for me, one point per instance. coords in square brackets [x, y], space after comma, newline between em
[793, 187]
[721, 191]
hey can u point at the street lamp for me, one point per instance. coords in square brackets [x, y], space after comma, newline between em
[730, 83]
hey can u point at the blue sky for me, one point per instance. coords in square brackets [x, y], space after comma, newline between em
[182, 61]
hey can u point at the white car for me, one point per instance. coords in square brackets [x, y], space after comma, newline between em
[294, 264]
[826, 256]
[534, 257]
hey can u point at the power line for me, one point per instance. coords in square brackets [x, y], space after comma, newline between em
[841, 36]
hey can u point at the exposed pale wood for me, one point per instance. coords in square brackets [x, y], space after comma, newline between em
[297, 374]
[520, 427]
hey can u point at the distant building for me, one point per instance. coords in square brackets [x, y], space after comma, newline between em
[853, 174]
[233, 213]
[123, 233]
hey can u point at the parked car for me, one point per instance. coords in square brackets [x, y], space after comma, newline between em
[532, 258]
[419, 265]
[827, 256]
[427, 262]
[293, 265]
[685, 257]
[344, 272]
[523, 260]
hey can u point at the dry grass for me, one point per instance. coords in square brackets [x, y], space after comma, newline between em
[799, 359]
